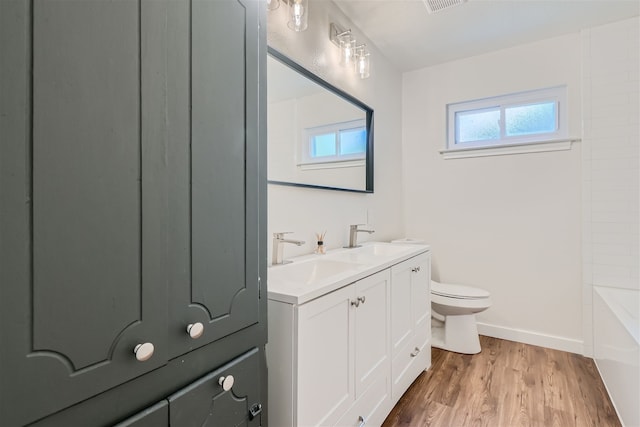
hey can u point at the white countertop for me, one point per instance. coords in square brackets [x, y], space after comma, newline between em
[284, 283]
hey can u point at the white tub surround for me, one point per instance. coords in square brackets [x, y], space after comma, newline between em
[617, 348]
[349, 331]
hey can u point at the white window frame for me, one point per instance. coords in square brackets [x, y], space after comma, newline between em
[547, 141]
[306, 161]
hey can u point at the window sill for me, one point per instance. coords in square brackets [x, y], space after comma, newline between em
[332, 165]
[502, 150]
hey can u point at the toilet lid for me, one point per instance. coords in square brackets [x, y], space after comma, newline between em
[458, 291]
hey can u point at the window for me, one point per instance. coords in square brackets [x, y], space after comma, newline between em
[515, 120]
[334, 143]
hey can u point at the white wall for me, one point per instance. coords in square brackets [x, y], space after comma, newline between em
[510, 224]
[307, 211]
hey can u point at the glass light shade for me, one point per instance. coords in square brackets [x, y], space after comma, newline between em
[273, 4]
[347, 51]
[298, 15]
[363, 65]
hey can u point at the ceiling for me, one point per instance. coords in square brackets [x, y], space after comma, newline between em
[411, 38]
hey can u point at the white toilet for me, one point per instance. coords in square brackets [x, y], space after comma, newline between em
[454, 327]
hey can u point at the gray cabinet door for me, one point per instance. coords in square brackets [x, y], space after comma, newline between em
[83, 195]
[206, 404]
[130, 183]
[214, 174]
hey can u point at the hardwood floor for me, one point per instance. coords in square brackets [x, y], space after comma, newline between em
[508, 384]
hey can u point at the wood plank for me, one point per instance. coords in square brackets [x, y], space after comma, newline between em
[508, 384]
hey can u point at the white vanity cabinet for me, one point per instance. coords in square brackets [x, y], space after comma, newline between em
[332, 359]
[341, 343]
[410, 321]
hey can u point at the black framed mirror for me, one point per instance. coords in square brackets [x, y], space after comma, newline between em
[318, 135]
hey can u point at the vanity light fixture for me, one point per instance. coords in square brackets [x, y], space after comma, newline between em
[352, 55]
[273, 4]
[298, 15]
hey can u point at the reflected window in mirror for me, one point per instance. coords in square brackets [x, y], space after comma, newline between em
[334, 145]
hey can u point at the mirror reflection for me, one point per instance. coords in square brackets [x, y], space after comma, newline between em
[318, 135]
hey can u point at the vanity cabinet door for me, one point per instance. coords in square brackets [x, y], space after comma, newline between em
[421, 297]
[325, 351]
[213, 166]
[83, 196]
[371, 329]
[402, 323]
[410, 321]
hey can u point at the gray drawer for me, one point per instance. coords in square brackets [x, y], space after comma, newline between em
[205, 403]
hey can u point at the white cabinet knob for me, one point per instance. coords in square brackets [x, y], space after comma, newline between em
[144, 351]
[415, 352]
[226, 382]
[195, 330]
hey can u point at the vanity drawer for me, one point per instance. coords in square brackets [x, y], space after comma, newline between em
[372, 406]
[411, 360]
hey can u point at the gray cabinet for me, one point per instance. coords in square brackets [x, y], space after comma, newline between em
[131, 197]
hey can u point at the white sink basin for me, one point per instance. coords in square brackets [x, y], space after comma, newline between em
[371, 252]
[307, 272]
[382, 249]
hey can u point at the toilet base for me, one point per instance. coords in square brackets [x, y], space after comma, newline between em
[457, 333]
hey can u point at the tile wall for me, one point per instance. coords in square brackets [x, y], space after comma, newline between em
[610, 158]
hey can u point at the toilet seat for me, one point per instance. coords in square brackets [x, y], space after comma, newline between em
[458, 291]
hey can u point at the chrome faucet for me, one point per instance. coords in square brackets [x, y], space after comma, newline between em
[278, 242]
[353, 235]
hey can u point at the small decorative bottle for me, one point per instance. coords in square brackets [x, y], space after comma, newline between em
[320, 249]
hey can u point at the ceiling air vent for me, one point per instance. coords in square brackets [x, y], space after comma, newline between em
[434, 6]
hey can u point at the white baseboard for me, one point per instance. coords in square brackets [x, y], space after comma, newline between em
[533, 338]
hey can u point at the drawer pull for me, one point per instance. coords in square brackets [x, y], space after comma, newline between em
[254, 411]
[415, 352]
[361, 299]
[416, 269]
[144, 351]
[362, 421]
[226, 382]
[356, 302]
[195, 330]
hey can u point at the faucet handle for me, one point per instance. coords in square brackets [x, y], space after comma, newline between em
[280, 234]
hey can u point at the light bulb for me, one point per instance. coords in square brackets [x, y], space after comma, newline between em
[363, 65]
[298, 15]
[347, 52]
